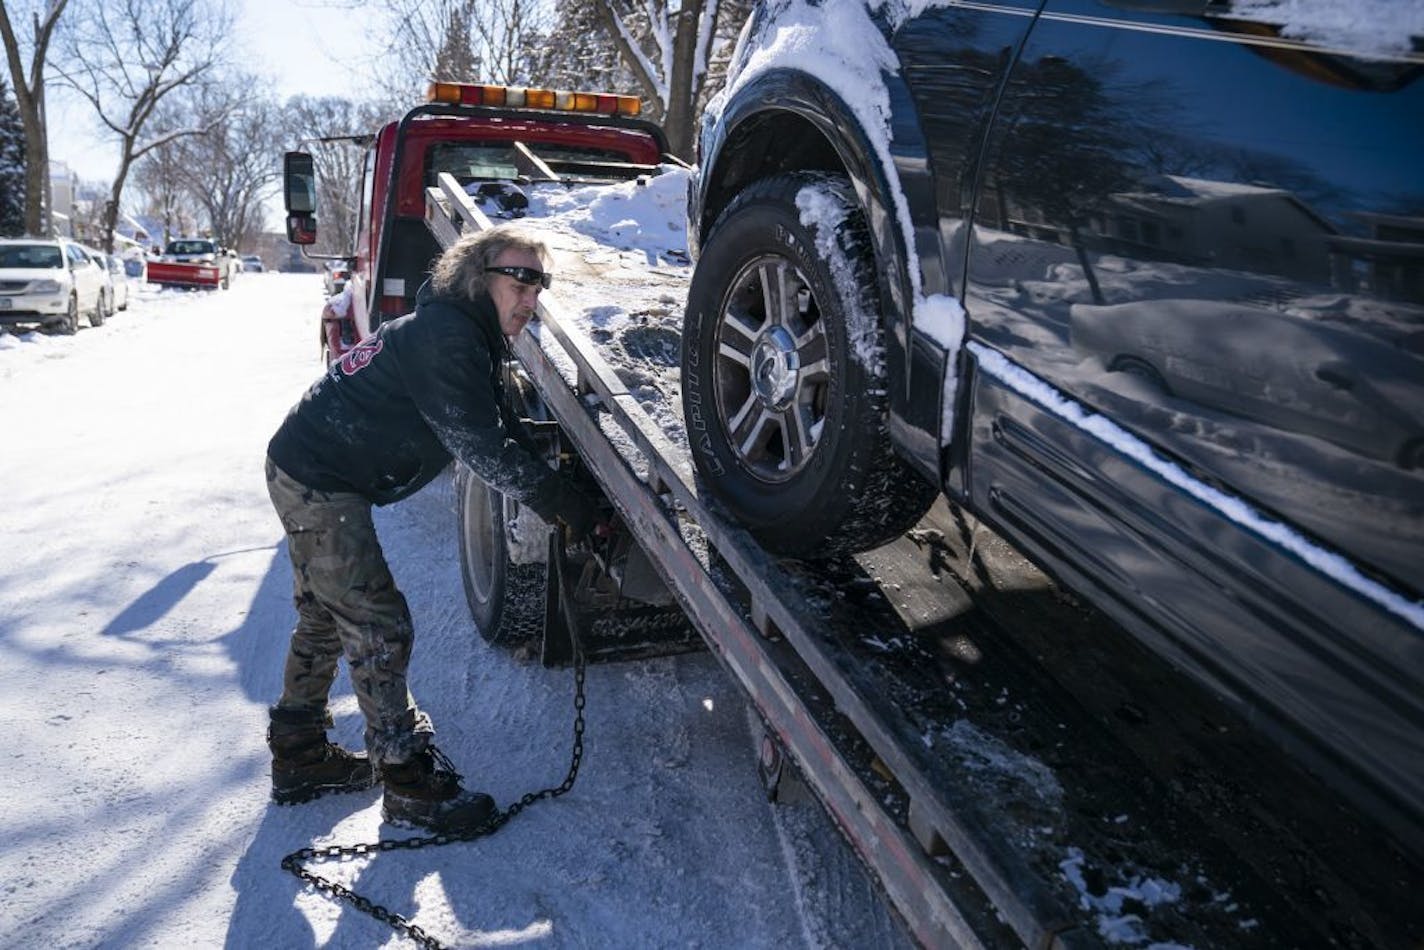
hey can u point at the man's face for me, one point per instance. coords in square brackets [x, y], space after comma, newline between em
[513, 301]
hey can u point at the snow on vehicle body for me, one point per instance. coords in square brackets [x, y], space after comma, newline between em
[496, 136]
[1194, 397]
[191, 263]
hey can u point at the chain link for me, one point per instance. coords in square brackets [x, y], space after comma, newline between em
[295, 863]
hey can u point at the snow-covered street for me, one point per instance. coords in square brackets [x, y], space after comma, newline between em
[144, 614]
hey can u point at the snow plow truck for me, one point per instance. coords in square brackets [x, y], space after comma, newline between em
[192, 263]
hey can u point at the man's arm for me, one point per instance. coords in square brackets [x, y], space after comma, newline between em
[460, 404]
[462, 407]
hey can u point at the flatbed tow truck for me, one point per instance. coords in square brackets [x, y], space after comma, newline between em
[1011, 769]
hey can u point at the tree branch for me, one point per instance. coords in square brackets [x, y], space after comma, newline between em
[646, 73]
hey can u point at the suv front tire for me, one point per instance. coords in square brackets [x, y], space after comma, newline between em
[784, 388]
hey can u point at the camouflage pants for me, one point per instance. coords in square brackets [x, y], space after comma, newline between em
[347, 602]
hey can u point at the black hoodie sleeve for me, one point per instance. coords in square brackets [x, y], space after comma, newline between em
[455, 394]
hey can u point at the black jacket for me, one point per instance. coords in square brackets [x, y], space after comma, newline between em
[389, 415]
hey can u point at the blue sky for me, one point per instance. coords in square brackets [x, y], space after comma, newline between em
[310, 47]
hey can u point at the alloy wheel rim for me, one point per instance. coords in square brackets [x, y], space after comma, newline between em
[771, 368]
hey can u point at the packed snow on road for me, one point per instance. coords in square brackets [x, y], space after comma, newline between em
[146, 592]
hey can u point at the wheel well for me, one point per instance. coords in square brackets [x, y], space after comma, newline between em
[769, 143]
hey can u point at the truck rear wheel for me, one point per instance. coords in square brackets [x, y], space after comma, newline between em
[505, 596]
[783, 380]
[503, 546]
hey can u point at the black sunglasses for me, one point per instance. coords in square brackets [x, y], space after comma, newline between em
[525, 275]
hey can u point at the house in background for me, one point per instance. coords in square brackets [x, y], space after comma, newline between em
[63, 185]
[76, 206]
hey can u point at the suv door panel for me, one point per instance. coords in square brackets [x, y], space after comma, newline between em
[1244, 296]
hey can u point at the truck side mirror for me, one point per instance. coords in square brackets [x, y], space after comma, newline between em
[299, 183]
[301, 228]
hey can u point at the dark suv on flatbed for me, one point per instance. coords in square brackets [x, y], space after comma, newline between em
[1139, 284]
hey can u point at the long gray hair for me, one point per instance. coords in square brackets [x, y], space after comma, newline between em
[460, 271]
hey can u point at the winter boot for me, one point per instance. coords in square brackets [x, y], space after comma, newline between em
[425, 793]
[306, 765]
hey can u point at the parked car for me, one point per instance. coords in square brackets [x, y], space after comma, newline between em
[107, 293]
[118, 274]
[1097, 271]
[252, 263]
[49, 283]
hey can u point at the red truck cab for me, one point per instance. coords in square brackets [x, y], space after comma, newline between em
[477, 133]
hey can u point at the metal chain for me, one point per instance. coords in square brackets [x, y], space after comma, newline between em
[296, 861]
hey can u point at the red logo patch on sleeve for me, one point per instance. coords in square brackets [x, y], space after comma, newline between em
[360, 356]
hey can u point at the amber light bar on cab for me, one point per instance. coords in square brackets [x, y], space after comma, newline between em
[518, 97]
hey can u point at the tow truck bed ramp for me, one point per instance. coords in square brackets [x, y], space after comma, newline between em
[774, 631]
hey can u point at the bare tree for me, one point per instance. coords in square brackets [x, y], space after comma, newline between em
[335, 131]
[668, 46]
[420, 35]
[457, 60]
[158, 177]
[30, 97]
[127, 56]
[577, 52]
[232, 170]
[425, 36]
[506, 31]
